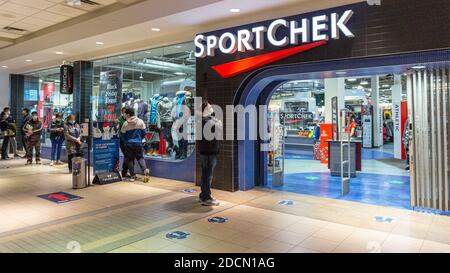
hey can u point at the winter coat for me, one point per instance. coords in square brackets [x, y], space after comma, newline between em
[54, 133]
[72, 132]
[164, 112]
[36, 127]
[210, 147]
[133, 132]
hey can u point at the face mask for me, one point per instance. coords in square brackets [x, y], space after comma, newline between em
[35, 118]
[58, 120]
[72, 122]
[124, 115]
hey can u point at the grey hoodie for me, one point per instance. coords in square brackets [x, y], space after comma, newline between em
[164, 111]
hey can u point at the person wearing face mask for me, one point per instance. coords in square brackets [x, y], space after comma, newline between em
[72, 133]
[33, 130]
[26, 118]
[121, 121]
[57, 138]
[5, 127]
[133, 133]
[12, 132]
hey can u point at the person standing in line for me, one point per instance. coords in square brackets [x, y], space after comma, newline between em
[5, 127]
[57, 138]
[133, 134]
[72, 134]
[12, 132]
[406, 143]
[209, 149]
[121, 121]
[26, 118]
[33, 130]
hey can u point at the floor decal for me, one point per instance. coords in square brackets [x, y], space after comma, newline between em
[60, 197]
[178, 235]
[286, 202]
[218, 220]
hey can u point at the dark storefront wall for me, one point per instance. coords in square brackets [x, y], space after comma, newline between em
[385, 35]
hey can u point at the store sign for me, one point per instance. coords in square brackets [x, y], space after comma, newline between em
[66, 80]
[309, 32]
[291, 117]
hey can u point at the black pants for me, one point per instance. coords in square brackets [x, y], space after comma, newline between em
[208, 165]
[70, 157]
[35, 145]
[5, 146]
[24, 145]
[134, 153]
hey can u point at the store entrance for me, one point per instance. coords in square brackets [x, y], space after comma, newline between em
[306, 128]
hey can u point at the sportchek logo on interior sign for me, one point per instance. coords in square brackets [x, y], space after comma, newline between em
[310, 33]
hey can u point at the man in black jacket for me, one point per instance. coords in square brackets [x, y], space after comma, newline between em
[209, 149]
[33, 130]
[26, 118]
[4, 127]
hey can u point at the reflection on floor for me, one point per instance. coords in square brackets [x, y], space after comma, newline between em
[383, 180]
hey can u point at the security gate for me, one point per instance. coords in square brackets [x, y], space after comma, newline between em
[428, 111]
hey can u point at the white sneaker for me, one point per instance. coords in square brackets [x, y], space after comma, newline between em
[52, 163]
[211, 202]
[58, 162]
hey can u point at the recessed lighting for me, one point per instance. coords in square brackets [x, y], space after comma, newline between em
[4, 66]
[156, 29]
[28, 61]
[419, 67]
[352, 80]
[235, 10]
[99, 43]
[59, 53]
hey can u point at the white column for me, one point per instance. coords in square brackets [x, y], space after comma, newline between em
[333, 88]
[396, 115]
[377, 113]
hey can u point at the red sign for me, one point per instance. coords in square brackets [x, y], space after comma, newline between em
[326, 133]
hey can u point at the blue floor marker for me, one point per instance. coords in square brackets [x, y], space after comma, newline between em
[189, 190]
[286, 202]
[383, 219]
[218, 220]
[178, 235]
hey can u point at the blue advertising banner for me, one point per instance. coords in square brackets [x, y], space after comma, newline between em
[106, 155]
[106, 131]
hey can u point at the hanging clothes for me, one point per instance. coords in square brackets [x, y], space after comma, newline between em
[153, 109]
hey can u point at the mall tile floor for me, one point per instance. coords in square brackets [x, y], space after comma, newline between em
[383, 180]
[135, 217]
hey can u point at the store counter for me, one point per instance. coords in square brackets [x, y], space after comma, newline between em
[334, 157]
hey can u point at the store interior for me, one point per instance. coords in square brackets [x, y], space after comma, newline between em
[150, 78]
[295, 158]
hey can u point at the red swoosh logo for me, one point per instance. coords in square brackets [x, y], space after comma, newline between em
[232, 69]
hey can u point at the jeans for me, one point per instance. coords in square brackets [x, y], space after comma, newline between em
[208, 164]
[36, 145]
[134, 153]
[56, 148]
[167, 133]
[24, 145]
[124, 164]
[5, 146]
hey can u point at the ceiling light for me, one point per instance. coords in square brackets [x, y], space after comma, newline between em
[99, 43]
[352, 80]
[180, 73]
[177, 46]
[235, 10]
[28, 61]
[419, 67]
[341, 73]
[156, 29]
[4, 66]
[364, 83]
[59, 53]
[148, 52]
[385, 85]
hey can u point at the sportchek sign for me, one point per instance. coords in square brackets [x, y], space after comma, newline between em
[299, 35]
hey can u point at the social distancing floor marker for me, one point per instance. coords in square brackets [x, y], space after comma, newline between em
[218, 220]
[178, 235]
[286, 202]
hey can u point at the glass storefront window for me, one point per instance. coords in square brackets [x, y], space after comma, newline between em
[49, 100]
[155, 83]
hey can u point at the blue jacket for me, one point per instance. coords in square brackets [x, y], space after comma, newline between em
[133, 131]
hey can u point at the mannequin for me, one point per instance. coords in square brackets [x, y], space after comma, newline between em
[165, 121]
[153, 125]
[181, 100]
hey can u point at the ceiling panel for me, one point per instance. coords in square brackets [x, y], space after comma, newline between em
[37, 22]
[19, 9]
[9, 35]
[49, 16]
[66, 10]
[38, 4]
